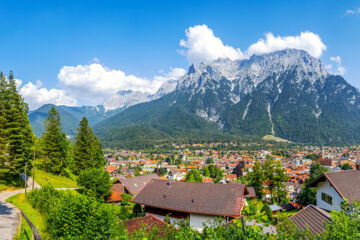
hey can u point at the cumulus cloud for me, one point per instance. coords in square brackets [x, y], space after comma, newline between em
[35, 95]
[339, 68]
[18, 83]
[351, 12]
[307, 41]
[201, 45]
[94, 83]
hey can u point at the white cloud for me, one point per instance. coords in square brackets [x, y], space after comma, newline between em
[201, 45]
[351, 12]
[307, 41]
[18, 83]
[94, 83]
[340, 69]
[36, 96]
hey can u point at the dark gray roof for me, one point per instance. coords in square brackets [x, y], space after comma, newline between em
[135, 184]
[197, 198]
[312, 217]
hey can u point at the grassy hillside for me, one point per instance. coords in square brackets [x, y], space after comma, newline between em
[43, 178]
[275, 139]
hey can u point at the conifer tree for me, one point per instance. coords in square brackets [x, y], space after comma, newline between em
[87, 148]
[256, 178]
[16, 130]
[54, 144]
[4, 169]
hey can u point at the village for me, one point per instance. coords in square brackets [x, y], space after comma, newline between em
[160, 183]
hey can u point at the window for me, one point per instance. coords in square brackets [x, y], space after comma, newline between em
[326, 198]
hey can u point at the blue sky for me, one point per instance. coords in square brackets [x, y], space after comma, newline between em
[140, 39]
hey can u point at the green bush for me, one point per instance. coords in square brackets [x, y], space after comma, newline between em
[80, 217]
[44, 199]
[95, 182]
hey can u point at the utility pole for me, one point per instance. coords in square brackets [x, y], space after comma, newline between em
[33, 175]
[25, 178]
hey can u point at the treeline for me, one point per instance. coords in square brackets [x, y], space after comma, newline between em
[53, 151]
[57, 153]
[16, 136]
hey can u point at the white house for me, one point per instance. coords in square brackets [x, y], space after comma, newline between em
[332, 187]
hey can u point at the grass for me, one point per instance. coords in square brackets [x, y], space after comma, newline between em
[10, 184]
[44, 178]
[276, 139]
[25, 232]
[35, 217]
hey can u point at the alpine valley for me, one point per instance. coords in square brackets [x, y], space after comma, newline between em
[287, 94]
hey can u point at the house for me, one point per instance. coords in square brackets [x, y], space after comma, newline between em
[326, 162]
[135, 184]
[199, 202]
[112, 170]
[146, 223]
[312, 217]
[231, 177]
[116, 191]
[332, 187]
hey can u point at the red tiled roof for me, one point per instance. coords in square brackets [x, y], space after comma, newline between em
[116, 191]
[110, 168]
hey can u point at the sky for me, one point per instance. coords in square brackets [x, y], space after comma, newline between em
[82, 52]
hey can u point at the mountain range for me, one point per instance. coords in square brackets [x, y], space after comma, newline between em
[71, 116]
[287, 94]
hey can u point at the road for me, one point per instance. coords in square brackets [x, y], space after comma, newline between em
[9, 214]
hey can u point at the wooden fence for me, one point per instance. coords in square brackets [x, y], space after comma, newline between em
[36, 234]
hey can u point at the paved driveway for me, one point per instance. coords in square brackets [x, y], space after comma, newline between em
[9, 214]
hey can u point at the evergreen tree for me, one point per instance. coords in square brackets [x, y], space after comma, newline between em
[255, 179]
[275, 176]
[16, 137]
[4, 169]
[54, 144]
[307, 193]
[87, 149]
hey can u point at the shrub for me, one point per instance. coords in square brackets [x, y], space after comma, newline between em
[44, 199]
[95, 182]
[80, 217]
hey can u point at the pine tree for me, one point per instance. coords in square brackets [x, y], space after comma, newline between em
[54, 144]
[16, 128]
[255, 179]
[87, 148]
[275, 176]
[4, 169]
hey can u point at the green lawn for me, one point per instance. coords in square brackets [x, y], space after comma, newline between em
[36, 218]
[43, 178]
[10, 184]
